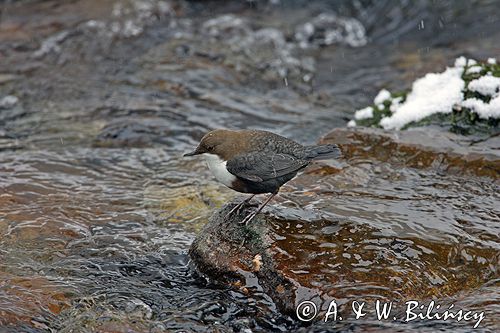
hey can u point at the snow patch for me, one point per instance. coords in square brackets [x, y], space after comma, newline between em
[485, 85]
[474, 69]
[364, 113]
[434, 93]
[395, 104]
[461, 62]
[382, 96]
[439, 93]
[484, 110]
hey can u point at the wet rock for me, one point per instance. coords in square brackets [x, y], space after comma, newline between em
[391, 222]
[421, 148]
[292, 262]
[187, 204]
[234, 254]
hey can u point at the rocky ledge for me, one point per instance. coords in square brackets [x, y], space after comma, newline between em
[393, 221]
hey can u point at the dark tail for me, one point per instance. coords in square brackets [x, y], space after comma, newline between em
[323, 152]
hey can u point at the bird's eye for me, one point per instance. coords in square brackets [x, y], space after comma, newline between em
[210, 148]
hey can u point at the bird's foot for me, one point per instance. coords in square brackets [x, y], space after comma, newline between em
[235, 209]
[248, 218]
[239, 206]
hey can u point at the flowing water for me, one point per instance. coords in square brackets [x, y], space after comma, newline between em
[97, 206]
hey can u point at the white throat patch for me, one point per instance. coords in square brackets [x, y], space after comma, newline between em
[218, 168]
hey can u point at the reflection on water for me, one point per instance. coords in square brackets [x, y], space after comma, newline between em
[98, 209]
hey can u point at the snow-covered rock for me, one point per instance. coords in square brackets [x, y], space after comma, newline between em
[455, 89]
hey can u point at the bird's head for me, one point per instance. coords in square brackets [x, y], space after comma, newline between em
[219, 142]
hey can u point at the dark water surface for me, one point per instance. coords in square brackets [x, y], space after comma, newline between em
[97, 207]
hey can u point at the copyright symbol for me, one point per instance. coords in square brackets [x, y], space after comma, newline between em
[306, 311]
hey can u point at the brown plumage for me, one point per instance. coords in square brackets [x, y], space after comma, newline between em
[252, 161]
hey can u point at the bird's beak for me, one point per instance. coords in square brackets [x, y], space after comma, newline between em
[196, 152]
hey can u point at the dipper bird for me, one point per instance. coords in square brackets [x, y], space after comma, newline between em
[252, 161]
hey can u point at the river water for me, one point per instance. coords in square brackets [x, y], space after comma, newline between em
[97, 206]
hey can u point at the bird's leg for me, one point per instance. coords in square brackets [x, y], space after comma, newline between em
[238, 206]
[250, 216]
